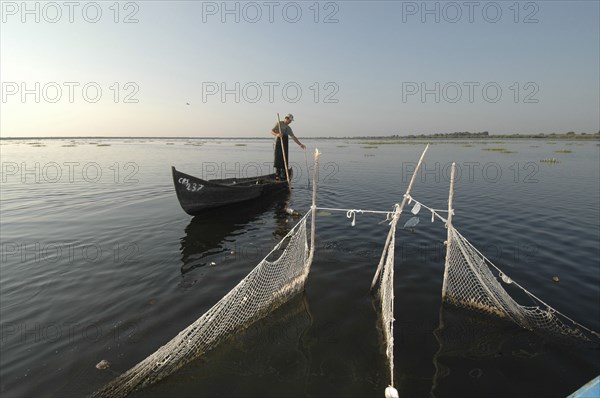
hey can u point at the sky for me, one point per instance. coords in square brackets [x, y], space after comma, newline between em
[343, 68]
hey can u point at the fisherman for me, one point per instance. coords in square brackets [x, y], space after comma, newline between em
[286, 131]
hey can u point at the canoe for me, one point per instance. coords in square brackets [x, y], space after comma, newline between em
[196, 195]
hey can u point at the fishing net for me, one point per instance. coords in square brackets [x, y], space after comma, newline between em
[267, 286]
[385, 294]
[473, 281]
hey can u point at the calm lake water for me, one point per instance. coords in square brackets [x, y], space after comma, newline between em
[99, 262]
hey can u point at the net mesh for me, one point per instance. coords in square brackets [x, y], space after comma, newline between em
[385, 294]
[266, 287]
[473, 281]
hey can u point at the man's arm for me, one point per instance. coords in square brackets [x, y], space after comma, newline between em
[275, 130]
[298, 142]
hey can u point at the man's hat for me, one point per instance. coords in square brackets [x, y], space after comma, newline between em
[290, 116]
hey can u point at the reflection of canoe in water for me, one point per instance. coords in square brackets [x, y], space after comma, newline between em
[215, 233]
[197, 195]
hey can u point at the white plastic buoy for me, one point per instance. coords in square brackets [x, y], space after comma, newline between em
[391, 392]
[416, 209]
[505, 279]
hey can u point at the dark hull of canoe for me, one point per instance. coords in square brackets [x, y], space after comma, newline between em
[196, 195]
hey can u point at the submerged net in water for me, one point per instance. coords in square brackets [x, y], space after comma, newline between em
[385, 293]
[266, 287]
[470, 281]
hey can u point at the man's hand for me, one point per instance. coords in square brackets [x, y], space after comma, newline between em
[303, 146]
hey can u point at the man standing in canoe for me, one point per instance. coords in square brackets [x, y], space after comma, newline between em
[286, 131]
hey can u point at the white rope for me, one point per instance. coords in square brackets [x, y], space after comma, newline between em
[351, 213]
[357, 210]
[434, 212]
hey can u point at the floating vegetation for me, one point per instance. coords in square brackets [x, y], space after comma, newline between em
[563, 151]
[433, 142]
[494, 149]
[550, 143]
[342, 146]
[240, 144]
[103, 145]
[368, 155]
[534, 146]
[467, 145]
[93, 143]
[498, 149]
[369, 147]
[398, 143]
[38, 145]
[550, 160]
[170, 143]
[69, 145]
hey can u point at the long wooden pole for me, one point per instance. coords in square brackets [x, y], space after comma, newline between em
[313, 208]
[404, 200]
[307, 169]
[449, 227]
[287, 174]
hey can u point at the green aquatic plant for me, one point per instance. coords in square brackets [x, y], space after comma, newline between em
[498, 149]
[495, 149]
[400, 143]
[563, 151]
